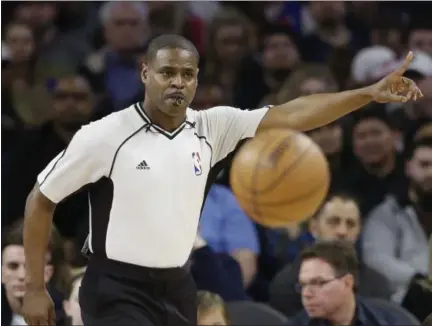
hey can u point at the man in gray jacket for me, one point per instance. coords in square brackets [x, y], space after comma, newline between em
[396, 235]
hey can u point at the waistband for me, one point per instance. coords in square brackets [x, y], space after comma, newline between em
[136, 272]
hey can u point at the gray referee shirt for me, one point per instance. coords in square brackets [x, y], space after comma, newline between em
[146, 185]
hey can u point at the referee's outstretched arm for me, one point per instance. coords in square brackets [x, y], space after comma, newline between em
[314, 111]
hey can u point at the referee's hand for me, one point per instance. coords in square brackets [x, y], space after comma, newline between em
[38, 308]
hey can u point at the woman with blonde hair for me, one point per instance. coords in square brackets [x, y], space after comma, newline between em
[211, 309]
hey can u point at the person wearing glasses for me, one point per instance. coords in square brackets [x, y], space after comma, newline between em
[338, 218]
[327, 283]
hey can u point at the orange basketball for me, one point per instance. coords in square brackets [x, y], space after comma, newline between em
[280, 177]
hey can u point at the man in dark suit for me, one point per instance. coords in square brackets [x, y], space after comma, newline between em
[328, 278]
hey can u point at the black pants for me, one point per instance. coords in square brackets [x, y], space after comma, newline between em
[115, 293]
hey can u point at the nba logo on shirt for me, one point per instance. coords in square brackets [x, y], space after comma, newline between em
[197, 163]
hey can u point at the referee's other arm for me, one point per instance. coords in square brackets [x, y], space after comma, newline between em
[81, 163]
[39, 215]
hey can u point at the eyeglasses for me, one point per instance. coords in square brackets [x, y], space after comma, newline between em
[314, 285]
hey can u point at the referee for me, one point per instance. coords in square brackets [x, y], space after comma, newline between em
[147, 169]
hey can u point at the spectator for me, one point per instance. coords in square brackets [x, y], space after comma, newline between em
[330, 31]
[327, 282]
[396, 235]
[13, 274]
[126, 33]
[228, 41]
[211, 309]
[280, 56]
[175, 18]
[59, 53]
[23, 81]
[338, 219]
[380, 168]
[227, 229]
[72, 100]
[420, 33]
[71, 304]
[387, 30]
[315, 79]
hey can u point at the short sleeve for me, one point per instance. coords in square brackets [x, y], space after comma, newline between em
[226, 126]
[81, 163]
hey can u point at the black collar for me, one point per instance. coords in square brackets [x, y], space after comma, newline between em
[149, 124]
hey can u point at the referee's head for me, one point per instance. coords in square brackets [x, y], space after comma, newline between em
[169, 73]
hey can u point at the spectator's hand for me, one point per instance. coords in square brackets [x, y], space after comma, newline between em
[395, 87]
[38, 308]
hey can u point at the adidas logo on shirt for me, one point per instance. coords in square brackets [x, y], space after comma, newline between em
[143, 166]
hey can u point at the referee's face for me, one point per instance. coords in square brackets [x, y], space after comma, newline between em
[170, 80]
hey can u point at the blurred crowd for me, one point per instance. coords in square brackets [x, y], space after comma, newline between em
[366, 252]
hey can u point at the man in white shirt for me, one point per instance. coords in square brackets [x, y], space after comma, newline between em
[147, 169]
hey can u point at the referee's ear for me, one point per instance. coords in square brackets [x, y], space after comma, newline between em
[144, 71]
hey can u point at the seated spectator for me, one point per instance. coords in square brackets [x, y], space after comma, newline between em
[380, 169]
[71, 304]
[314, 79]
[228, 42]
[338, 219]
[259, 81]
[126, 33]
[73, 105]
[331, 31]
[59, 52]
[227, 229]
[216, 272]
[23, 81]
[328, 279]
[386, 28]
[420, 33]
[211, 309]
[13, 275]
[396, 236]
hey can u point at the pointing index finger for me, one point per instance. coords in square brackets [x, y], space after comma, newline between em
[405, 64]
